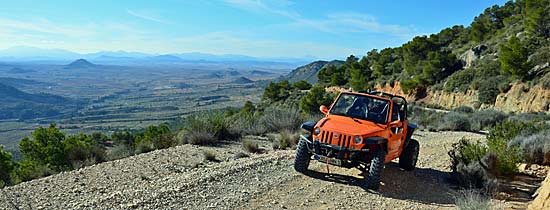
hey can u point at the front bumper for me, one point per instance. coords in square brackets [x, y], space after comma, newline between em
[347, 155]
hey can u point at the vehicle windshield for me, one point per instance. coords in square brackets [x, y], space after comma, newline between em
[361, 107]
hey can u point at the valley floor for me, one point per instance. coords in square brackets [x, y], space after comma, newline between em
[178, 178]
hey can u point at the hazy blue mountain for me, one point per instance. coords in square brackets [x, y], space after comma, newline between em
[242, 80]
[12, 94]
[33, 54]
[18, 83]
[117, 54]
[17, 70]
[260, 73]
[80, 64]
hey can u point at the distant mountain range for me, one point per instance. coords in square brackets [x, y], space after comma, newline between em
[26, 54]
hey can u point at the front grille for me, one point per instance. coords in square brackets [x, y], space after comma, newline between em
[327, 137]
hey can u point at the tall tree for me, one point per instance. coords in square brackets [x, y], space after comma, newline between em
[514, 58]
[537, 17]
[7, 167]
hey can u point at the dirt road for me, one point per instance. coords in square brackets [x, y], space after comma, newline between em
[178, 178]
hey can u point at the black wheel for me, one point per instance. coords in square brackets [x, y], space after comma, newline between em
[375, 169]
[409, 156]
[303, 156]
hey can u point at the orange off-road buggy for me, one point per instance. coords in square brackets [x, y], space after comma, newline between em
[363, 130]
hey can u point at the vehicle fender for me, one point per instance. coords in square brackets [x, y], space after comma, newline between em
[308, 126]
[377, 140]
[410, 130]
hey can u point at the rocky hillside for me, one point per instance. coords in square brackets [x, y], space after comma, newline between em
[178, 177]
[501, 60]
[309, 72]
[520, 98]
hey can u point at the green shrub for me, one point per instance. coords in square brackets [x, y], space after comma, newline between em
[277, 91]
[498, 139]
[455, 121]
[250, 146]
[7, 167]
[301, 85]
[514, 58]
[488, 92]
[426, 119]
[486, 118]
[45, 148]
[460, 81]
[28, 170]
[82, 150]
[504, 87]
[473, 166]
[123, 138]
[464, 109]
[316, 97]
[466, 152]
[248, 107]
[530, 117]
[155, 137]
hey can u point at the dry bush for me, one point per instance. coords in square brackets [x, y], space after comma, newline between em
[209, 155]
[199, 137]
[279, 119]
[455, 121]
[250, 146]
[287, 139]
[535, 147]
[118, 152]
[472, 200]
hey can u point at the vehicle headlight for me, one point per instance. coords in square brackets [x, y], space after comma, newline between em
[357, 139]
[317, 131]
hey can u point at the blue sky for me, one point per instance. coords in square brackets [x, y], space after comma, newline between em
[322, 29]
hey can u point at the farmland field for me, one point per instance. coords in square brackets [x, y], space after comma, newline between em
[110, 98]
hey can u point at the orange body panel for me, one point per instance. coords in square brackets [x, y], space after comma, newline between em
[341, 131]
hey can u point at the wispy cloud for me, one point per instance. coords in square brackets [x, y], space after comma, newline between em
[336, 22]
[45, 26]
[146, 15]
[233, 43]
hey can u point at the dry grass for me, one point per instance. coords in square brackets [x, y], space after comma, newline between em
[209, 155]
[250, 146]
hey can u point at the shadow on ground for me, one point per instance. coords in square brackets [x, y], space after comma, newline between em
[422, 185]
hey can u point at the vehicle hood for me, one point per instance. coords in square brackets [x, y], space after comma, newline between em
[346, 125]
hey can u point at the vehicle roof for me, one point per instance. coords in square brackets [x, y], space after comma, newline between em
[371, 94]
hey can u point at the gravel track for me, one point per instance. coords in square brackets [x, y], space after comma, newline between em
[179, 178]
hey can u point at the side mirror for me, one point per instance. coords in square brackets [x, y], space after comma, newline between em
[396, 124]
[323, 109]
